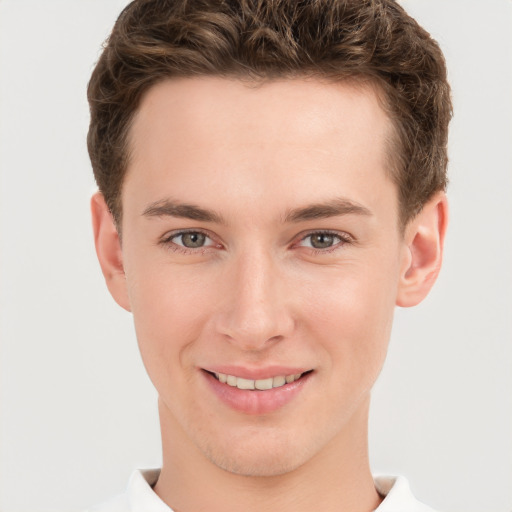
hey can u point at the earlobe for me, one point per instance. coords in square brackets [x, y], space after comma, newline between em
[423, 252]
[108, 249]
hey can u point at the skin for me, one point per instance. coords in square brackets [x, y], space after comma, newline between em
[257, 293]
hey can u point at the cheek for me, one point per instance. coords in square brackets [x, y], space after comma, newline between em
[169, 307]
[353, 314]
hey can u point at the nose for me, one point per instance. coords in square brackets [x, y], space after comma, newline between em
[255, 310]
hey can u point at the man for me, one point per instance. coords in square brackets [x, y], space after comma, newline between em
[271, 184]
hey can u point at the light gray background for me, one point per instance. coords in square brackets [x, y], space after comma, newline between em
[77, 410]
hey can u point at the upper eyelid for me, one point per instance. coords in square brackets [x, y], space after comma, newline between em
[167, 241]
[341, 234]
[173, 234]
[344, 239]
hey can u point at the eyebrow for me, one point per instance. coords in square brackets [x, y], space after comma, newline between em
[333, 208]
[166, 207]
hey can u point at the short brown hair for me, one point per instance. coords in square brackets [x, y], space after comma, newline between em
[373, 40]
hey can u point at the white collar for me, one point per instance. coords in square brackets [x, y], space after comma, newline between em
[397, 495]
[140, 497]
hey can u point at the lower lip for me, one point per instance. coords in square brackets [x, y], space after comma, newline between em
[254, 401]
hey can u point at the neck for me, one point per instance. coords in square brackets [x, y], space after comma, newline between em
[337, 478]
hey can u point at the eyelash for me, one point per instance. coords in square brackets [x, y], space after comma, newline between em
[167, 241]
[343, 239]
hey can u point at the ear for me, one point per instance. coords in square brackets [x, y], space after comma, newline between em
[108, 249]
[423, 251]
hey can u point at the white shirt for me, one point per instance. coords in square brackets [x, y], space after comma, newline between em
[140, 497]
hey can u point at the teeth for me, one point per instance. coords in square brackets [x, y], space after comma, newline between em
[278, 382]
[262, 384]
[244, 383]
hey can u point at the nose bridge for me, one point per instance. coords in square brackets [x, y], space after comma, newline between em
[256, 311]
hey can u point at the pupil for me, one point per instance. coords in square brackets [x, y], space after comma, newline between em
[321, 241]
[193, 240]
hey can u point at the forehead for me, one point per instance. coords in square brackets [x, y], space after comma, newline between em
[213, 106]
[247, 139]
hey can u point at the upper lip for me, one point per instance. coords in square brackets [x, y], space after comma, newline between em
[256, 373]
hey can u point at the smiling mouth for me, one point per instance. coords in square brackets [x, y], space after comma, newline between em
[260, 384]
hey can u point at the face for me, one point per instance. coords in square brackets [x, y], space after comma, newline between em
[261, 250]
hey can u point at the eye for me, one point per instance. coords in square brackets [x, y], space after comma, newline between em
[322, 240]
[189, 240]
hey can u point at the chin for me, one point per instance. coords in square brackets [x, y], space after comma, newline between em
[257, 454]
[254, 465]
